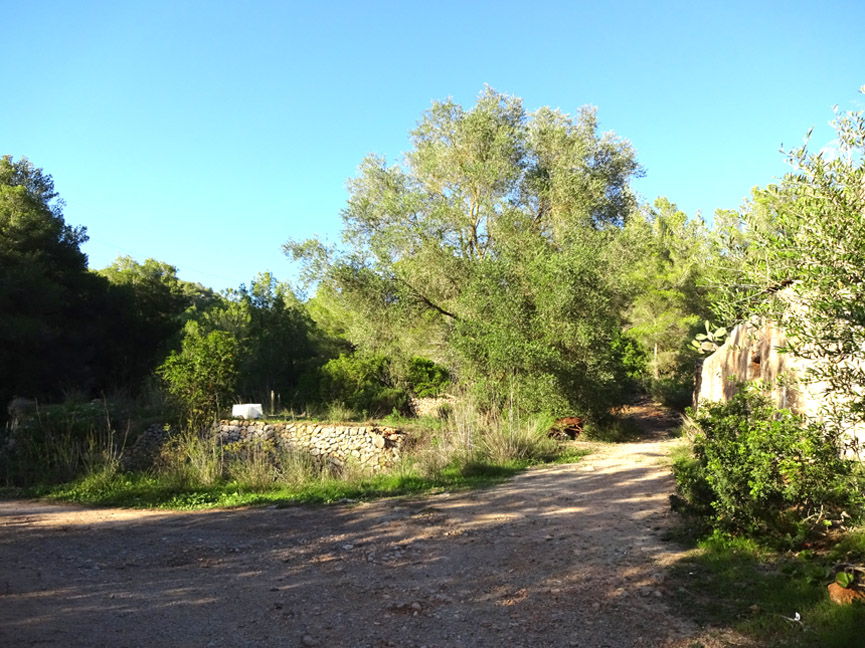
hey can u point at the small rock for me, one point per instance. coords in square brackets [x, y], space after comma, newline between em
[844, 596]
[309, 641]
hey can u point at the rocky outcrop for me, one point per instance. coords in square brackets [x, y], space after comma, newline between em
[755, 351]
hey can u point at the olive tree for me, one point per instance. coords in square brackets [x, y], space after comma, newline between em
[484, 248]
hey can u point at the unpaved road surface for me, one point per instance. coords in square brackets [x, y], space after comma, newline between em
[568, 555]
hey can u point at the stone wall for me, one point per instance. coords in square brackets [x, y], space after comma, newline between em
[143, 453]
[372, 446]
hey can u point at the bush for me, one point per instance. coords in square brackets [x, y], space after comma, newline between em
[362, 383]
[201, 378]
[765, 472]
[426, 378]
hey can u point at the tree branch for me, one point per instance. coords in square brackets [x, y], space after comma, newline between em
[427, 301]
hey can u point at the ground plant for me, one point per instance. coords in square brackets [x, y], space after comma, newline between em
[777, 598]
[766, 473]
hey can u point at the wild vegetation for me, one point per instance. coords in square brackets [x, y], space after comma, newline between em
[504, 262]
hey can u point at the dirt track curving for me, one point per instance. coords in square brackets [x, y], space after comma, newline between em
[562, 556]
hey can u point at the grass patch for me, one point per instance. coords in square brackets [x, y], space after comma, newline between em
[141, 490]
[735, 582]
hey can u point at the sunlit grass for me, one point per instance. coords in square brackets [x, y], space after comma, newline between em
[735, 582]
[141, 490]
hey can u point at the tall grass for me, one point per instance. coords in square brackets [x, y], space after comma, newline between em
[471, 447]
[60, 442]
[472, 435]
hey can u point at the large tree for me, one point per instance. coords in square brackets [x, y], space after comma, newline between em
[48, 299]
[664, 260]
[483, 250]
[150, 305]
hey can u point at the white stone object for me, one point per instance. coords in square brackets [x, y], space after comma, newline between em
[247, 411]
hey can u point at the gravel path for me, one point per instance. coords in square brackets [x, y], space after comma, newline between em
[561, 556]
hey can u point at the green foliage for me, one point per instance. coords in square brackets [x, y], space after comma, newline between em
[796, 253]
[487, 246]
[709, 341]
[764, 472]
[362, 382]
[845, 579]
[49, 337]
[279, 346]
[202, 377]
[151, 306]
[426, 378]
[664, 261]
[57, 443]
[732, 582]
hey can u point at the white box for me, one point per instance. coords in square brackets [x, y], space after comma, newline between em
[247, 411]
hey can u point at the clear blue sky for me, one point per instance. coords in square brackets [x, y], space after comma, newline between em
[206, 133]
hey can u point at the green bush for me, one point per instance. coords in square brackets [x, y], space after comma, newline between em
[675, 391]
[765, 472]
[201, 378]
[426, 378]
[362, 383]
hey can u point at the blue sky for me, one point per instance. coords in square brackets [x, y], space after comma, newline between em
[206, 133]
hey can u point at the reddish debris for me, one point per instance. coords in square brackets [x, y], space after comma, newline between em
[568, 427]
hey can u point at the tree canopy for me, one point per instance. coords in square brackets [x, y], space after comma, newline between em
[46, 292]
[484, 250]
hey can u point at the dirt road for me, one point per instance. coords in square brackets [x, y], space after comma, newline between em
[561, 556]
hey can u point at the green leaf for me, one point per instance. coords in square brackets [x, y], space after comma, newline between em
[844, 579]
[701, 337]
[721, 332]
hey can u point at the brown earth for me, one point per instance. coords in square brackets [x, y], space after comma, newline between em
[568, 555]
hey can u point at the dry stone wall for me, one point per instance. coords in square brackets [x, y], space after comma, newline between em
[370, 446]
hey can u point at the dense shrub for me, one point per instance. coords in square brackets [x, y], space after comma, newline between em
[363, 382]
[765, 472]
[426, 378]
[201, 378]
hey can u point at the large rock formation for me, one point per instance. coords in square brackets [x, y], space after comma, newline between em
[756, 352]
